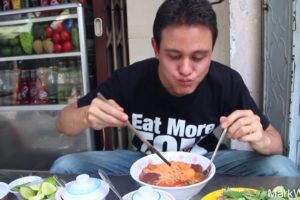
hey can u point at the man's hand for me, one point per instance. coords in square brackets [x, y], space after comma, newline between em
[245, 126]
[101, 114]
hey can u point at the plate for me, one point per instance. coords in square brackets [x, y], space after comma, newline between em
[215, 194]
[4, 189]
[58, 194]
[21, 181]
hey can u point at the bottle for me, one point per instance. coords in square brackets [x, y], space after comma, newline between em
[42, 89]
[25, 3]
[32, 87]
[62, 84]
[75, 81]
[34, 3]
[6, 5]
[23, 92]
[15, 83]
[52, 84]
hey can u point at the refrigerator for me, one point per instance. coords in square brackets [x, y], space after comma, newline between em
[43, 67]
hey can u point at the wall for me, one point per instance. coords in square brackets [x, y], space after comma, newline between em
[238, 44]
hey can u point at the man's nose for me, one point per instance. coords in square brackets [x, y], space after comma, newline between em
[185, 67]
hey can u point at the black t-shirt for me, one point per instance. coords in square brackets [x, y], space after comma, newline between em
[174, 123]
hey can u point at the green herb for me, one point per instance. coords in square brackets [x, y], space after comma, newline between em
[277, 193]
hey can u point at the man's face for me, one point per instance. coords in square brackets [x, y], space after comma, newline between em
[184, 57]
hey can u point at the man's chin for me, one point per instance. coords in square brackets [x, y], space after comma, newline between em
[184, 92]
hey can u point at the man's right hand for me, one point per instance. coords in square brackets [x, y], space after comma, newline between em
[105, 113]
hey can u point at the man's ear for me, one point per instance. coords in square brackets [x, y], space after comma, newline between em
[155, 47]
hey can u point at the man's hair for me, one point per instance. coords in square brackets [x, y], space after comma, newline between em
[185, 12]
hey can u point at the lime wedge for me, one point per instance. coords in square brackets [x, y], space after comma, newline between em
[35, 187]
[51, 196]
[48, 188]
[37, 197]
[26, 192]
[50, 180]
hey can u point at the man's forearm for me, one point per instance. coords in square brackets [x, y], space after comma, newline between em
[72, 120]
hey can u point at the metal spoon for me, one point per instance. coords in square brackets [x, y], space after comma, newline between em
[60, 181]
[105, 178]
[207, 170]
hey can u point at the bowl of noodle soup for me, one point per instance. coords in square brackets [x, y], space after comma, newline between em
[184, 179]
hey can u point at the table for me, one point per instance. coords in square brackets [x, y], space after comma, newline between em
[125, 184]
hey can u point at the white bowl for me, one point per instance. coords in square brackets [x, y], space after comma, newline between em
[4, 189]
[84, 187]
[21, 181]
[182, 192]
[138, 194]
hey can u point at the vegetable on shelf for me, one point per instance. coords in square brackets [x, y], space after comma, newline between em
[26, 40]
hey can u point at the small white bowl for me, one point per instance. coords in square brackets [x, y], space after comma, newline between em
[4, 189]
[84, 187]
[21, 181]
[181, 192]
[151, 193]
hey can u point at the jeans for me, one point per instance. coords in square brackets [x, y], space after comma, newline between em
[227, 162]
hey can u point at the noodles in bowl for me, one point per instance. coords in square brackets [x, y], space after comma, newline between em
[178, 174]
[188, 160]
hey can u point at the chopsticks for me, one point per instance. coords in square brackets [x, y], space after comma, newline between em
[139, 135]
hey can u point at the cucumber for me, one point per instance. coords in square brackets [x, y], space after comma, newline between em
[75, 37]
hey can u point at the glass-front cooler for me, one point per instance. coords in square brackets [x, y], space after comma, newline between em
[43, 66]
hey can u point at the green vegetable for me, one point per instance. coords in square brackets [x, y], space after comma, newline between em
[277, 193]
[26, 40]
[17, 50]
[6, 51]
[75, 37]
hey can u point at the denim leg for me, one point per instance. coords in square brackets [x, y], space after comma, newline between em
[117, 162]
[248, 163]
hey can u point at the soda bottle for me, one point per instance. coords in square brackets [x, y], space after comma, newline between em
[6, 5]
[32, 87]
[15, 84]
[52, 84]
[62, 84]
[23, 92]
[42, 89]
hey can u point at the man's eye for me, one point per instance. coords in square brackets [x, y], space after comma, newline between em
[174, 57]
[197, 58]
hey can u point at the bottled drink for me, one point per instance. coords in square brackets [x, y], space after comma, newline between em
[15, 84]
[6, 5]
[25, 3]
[75, 80]
[23, 92]
[32, 87]
[42, 89]
[34, 3]
[62, 84]
[52, 84]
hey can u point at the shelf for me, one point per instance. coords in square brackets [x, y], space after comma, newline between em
[40, 56]
[41, 9]
[31, 108]
[41, 19]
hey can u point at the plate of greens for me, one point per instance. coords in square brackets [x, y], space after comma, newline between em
[230, 193]
[241, 193]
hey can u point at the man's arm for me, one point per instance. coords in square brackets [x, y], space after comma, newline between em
[270, 143]
[245, 126]
[99, 114]
[72, 120]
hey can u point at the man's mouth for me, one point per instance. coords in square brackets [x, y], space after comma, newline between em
[185, 82]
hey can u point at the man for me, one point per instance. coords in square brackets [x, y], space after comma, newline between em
[176, 99]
